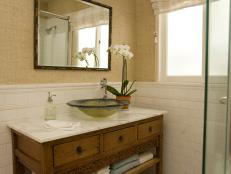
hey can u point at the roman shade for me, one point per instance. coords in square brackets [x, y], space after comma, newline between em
[89, 17]
[163, 6]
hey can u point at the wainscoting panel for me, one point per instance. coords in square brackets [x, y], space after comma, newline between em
[28, 101]
[183, 125]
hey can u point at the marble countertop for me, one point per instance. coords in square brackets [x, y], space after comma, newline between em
[35, 129]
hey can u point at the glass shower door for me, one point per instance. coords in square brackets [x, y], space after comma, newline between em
[217, 105]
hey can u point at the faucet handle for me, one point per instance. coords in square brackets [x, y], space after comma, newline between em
[103, 82]
[50, 97]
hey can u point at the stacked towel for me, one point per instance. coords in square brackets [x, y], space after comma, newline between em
[125, 168]
[124, 165]
[125, 161]
[144, 157]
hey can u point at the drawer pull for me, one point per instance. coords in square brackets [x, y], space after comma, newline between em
[79, 150]
[150, 129]
[121, 139]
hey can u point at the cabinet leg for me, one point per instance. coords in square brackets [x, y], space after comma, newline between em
[160, 155]
[159, 168]
[18, 168]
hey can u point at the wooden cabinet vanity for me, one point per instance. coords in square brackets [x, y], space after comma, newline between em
[85, 153]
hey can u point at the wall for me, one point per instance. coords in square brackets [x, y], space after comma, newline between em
[16, 46]
[145, 63]
[131, 22]
[183, 125]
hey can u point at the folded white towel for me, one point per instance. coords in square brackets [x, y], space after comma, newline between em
[105, 170]
[125, 161]
[144, 157]
[63, 125]
[125, 167]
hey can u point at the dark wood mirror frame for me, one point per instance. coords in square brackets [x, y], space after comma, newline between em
[36, 19]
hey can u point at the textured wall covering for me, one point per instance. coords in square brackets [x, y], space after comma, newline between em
[145, 64]
[16, 45]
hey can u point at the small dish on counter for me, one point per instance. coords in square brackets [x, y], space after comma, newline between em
[62, 125]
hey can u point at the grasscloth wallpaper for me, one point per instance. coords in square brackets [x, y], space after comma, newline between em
[131, 24]
[145, 62]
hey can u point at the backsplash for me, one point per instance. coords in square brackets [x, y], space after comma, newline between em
[28, 101]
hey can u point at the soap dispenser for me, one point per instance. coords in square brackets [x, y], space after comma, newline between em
[50, 110]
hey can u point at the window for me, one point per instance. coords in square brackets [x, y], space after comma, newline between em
[86, 38]
[181, 44]
[93, 37]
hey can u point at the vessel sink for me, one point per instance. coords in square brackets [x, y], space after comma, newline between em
[98, 107]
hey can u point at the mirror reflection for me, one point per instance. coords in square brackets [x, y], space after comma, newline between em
[73, 33]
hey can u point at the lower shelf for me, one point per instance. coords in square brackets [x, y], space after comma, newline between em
[143, 167]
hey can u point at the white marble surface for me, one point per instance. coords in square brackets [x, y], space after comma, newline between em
[35, 129]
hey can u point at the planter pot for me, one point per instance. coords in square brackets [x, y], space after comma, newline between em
[126, 98]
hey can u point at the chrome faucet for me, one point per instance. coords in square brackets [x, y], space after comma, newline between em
[103, 84]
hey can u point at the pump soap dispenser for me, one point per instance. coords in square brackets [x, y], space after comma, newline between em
[50, 110]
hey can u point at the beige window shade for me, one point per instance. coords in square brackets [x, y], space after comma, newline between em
[163, 6]
[89, 17]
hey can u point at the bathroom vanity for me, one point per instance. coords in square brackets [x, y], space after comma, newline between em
[95, 144]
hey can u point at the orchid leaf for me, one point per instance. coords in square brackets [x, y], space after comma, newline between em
[130, 87]
[124, 85]
[132, 92]
[113, 91]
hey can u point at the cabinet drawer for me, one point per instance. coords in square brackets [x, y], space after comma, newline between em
[120, 138]
[68, 152]
[148, 129]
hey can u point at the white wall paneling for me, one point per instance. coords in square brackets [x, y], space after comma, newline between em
[28, 101]
[183, 125]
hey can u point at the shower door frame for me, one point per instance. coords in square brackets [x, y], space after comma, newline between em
[228, 109]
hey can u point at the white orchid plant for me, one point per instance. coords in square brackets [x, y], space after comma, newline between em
[124, 52]
[82, 55]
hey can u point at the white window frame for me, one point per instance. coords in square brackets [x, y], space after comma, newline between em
[74, 41]
[97, 39]
[162, 51]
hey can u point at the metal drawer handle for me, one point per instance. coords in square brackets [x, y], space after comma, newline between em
[79, 150]
[121, 139]
[150, 129]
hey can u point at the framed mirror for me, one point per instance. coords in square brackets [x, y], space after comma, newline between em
[72, 35]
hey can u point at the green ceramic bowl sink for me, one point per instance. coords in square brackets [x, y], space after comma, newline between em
[98, 107]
